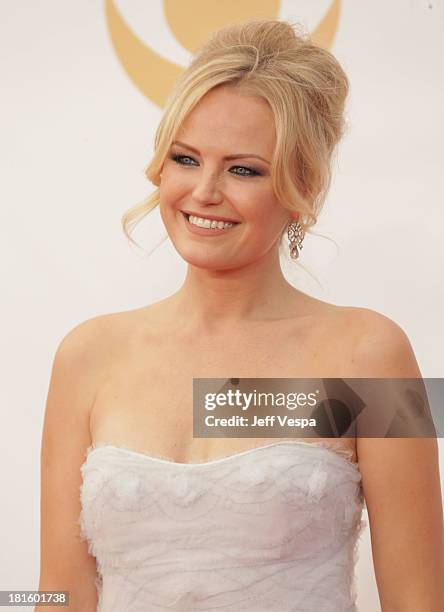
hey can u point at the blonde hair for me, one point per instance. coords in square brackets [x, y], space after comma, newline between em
[305, 87]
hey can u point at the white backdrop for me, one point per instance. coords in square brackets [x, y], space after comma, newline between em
[76, 136]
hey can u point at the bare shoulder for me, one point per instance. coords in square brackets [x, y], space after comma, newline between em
[81, 338]
[400, 479]
[372, 344]
[92, 338]
[83, 355]
[379, 347]
[102, 337]
[66, 435]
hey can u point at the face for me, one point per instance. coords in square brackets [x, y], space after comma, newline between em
[218, 168]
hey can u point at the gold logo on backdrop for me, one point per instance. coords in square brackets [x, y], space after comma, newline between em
[191, 22]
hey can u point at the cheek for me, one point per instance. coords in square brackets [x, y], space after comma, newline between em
[171, 195]
[263, 207]
[169, 188]
[172, 182]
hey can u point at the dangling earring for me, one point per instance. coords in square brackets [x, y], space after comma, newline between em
[295, 235]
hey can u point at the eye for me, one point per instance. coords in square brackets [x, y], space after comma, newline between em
[245, 170]
[179, 159]
[250, 171]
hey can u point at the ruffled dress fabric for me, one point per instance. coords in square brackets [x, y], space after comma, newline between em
[274, 528]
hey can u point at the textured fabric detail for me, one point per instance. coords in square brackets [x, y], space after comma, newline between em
[272, 529]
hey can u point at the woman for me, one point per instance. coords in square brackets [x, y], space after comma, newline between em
[166, 521]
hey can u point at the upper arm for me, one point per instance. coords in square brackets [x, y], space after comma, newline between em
[65, 563]
[401, 485]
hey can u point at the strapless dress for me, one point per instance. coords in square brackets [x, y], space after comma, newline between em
[274, 528]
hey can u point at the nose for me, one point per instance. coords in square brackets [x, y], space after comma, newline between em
[207, 189]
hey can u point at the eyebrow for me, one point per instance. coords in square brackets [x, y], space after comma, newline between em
[237, 156]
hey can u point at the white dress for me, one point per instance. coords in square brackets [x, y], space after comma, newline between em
[274, 528]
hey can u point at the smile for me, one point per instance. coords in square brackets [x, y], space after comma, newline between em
[202, 226]
[208, 223]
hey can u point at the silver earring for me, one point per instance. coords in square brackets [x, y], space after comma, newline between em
[295, 235]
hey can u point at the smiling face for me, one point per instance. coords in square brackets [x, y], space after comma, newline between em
[219, 168]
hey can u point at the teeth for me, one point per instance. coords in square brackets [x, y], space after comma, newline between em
[207, 223]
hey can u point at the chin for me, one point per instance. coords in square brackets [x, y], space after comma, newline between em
[207, 264]
[205, 260]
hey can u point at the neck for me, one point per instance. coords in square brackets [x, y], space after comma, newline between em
[218, 301]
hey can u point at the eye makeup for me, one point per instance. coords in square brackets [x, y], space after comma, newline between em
[179, 158]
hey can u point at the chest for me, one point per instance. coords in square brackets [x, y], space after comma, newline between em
[146, 398]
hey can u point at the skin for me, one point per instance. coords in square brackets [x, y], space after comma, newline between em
[111, 379]
[234, 278]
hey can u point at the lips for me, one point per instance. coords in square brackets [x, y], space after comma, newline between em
[209, 217]
[208, 232]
